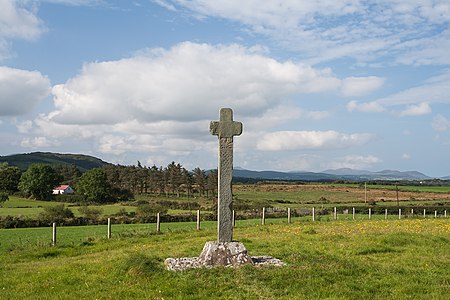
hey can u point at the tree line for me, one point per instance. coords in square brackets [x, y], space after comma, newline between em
[109, 183]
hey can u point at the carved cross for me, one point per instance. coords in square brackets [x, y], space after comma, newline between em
[226, 128]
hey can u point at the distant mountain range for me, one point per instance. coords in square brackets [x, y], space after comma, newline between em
[339, 174]
[23, 161]
[86, 162]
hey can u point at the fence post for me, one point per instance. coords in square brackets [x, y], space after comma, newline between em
[234, 218]
[313, 214]
[289, 214]
[385, 213]
[445, 213]
[399, 213]
[54, 234]
[335, 213]
[263, 221]
[158, 223]
[424, 213]
[370, 213]
[412, 212]
[198, 219]
[435, 214]
[353, 213]
[109, 228]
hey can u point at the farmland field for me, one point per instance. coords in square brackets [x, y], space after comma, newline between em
[362, 259]
[313, 194]
[296, 196]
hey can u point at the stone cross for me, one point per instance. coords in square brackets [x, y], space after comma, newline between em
[226, 128]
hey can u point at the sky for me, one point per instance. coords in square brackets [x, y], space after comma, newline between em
[318, 85]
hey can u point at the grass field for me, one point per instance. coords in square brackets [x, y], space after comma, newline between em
[308, 195]
[276, 195]
[363, 259]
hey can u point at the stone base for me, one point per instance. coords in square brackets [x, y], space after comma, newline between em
[225, 254]
[230, 254]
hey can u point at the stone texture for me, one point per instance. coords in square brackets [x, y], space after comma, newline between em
[225, 129]
[215, 254]
[225, 254]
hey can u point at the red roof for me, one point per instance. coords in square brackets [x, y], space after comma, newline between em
[61, 187]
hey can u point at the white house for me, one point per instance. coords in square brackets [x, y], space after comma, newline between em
[63, 189]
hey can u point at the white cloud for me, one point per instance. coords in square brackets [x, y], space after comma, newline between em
[434, 90]
[38, 142]
[18, 20]
[21, 90]
[364, 107]
[406, 156]
[76, 2]
[359, 86]
[298, 140]
[356, 162]
[440, 123]
[24, 127]
[188, 82]
[416, 110]
[325, 30]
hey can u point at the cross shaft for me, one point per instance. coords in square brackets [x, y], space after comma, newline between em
[225, 129]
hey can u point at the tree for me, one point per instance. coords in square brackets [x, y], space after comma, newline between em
[39, 181]
[3, 198]
[9, 179]
[200, 180]
[94, 186]
[211, 183]
[92, 213]
[56, 213]
[69, 173]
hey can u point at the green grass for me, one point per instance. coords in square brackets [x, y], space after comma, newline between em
[395, 259]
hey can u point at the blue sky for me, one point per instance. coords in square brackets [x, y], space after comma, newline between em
[317, 84]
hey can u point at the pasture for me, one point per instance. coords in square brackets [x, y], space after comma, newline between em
[275, 195]
[344, 259]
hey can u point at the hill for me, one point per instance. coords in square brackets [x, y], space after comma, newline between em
[23, 161]
[327, 175]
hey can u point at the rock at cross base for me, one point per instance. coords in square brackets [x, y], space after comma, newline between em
[225, 254]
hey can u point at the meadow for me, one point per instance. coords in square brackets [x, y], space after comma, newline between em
[343, 259]
[295, 196]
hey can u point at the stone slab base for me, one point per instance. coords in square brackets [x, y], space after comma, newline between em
[230, 254]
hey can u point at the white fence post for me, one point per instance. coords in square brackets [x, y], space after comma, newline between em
[198, 219]
[385, 213]
[445, 213]
[263, 220]
[313, 214]
[399, 213]
[424, 213]
[370, 213]
[435, 214]
[335, 213]
[158, 223]
[109, 228]
[353, 213]
[54, 234]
